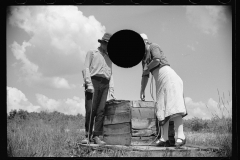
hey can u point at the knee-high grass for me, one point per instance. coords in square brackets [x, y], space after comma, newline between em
[54, 134]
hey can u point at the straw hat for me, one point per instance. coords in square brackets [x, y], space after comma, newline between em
[106, 37]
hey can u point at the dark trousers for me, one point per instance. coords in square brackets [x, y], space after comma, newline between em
[96, 102]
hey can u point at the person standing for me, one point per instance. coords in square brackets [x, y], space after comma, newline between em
[170, 103]
[98, 79]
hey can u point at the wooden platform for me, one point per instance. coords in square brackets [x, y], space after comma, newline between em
[144, 144]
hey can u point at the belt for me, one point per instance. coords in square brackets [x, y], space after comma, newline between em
[100, 78]
[151, 70]
[158, 66]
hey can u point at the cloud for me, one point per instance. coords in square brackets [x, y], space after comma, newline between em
[191, 47]
[61, 83]
[67, 106]
[220, 109]
[19, 53]
[200, 110]
[60, 39]
[206, 18]
[30, 70]
[17, 100]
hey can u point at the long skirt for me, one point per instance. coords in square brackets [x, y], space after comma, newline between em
[169, 94]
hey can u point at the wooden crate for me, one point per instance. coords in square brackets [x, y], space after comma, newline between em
[125, 119]
[143, 118]
[144, 121]
[117, 123]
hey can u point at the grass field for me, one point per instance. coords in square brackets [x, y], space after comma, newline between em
[57, 135]
[39, 138]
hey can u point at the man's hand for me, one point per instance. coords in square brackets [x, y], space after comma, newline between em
[142, 95]
[90, 89]
[112, 94]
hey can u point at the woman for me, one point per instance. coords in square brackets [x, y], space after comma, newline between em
[169, 92]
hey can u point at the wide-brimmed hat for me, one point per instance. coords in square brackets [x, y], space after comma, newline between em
[106, 37]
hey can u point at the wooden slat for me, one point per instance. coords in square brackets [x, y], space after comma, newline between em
[118, 139]
[142, 123]
[154, 148]
[95, 146]
[142, 113]
[117, 118]
[144, 144]
[203, 147]
[141, 148]
[117, 128]
[117, 108]
[139, 103]
[143, 132]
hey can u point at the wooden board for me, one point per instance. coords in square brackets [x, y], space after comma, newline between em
[139, 103]
[118, 139]
[143, 132]
[143, 123]
[115, 108]
[143, 113]
[117, 118]
[154, 148]
[117, 128]
[142, 147]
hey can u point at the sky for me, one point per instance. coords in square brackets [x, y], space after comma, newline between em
[47, 45]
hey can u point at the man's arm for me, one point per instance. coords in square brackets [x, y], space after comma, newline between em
[86, 72]
[111, 87]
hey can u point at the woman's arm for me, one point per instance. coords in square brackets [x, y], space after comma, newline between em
[144, 82]
[153, 64]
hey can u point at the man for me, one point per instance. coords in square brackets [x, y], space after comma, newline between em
[98, 79]
[169, 92]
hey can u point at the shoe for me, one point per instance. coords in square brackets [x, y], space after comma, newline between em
[159, 143]
[98, 141]
[179, 144]
[86, 141]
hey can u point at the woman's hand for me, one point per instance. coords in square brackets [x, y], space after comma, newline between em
[145, 73]
[142, 95]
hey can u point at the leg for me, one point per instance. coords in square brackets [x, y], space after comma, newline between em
[88, 116]
[92, 108]
[98, 127]
[178, 126]
[88, 105]
[158, 128]
[164, 132]
[163, 141]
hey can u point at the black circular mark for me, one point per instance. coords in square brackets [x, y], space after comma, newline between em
[137, 1]
[195, 1]
[126, 48]
[224, 1]
[79, 1]
[108, 1]
[166, 1]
